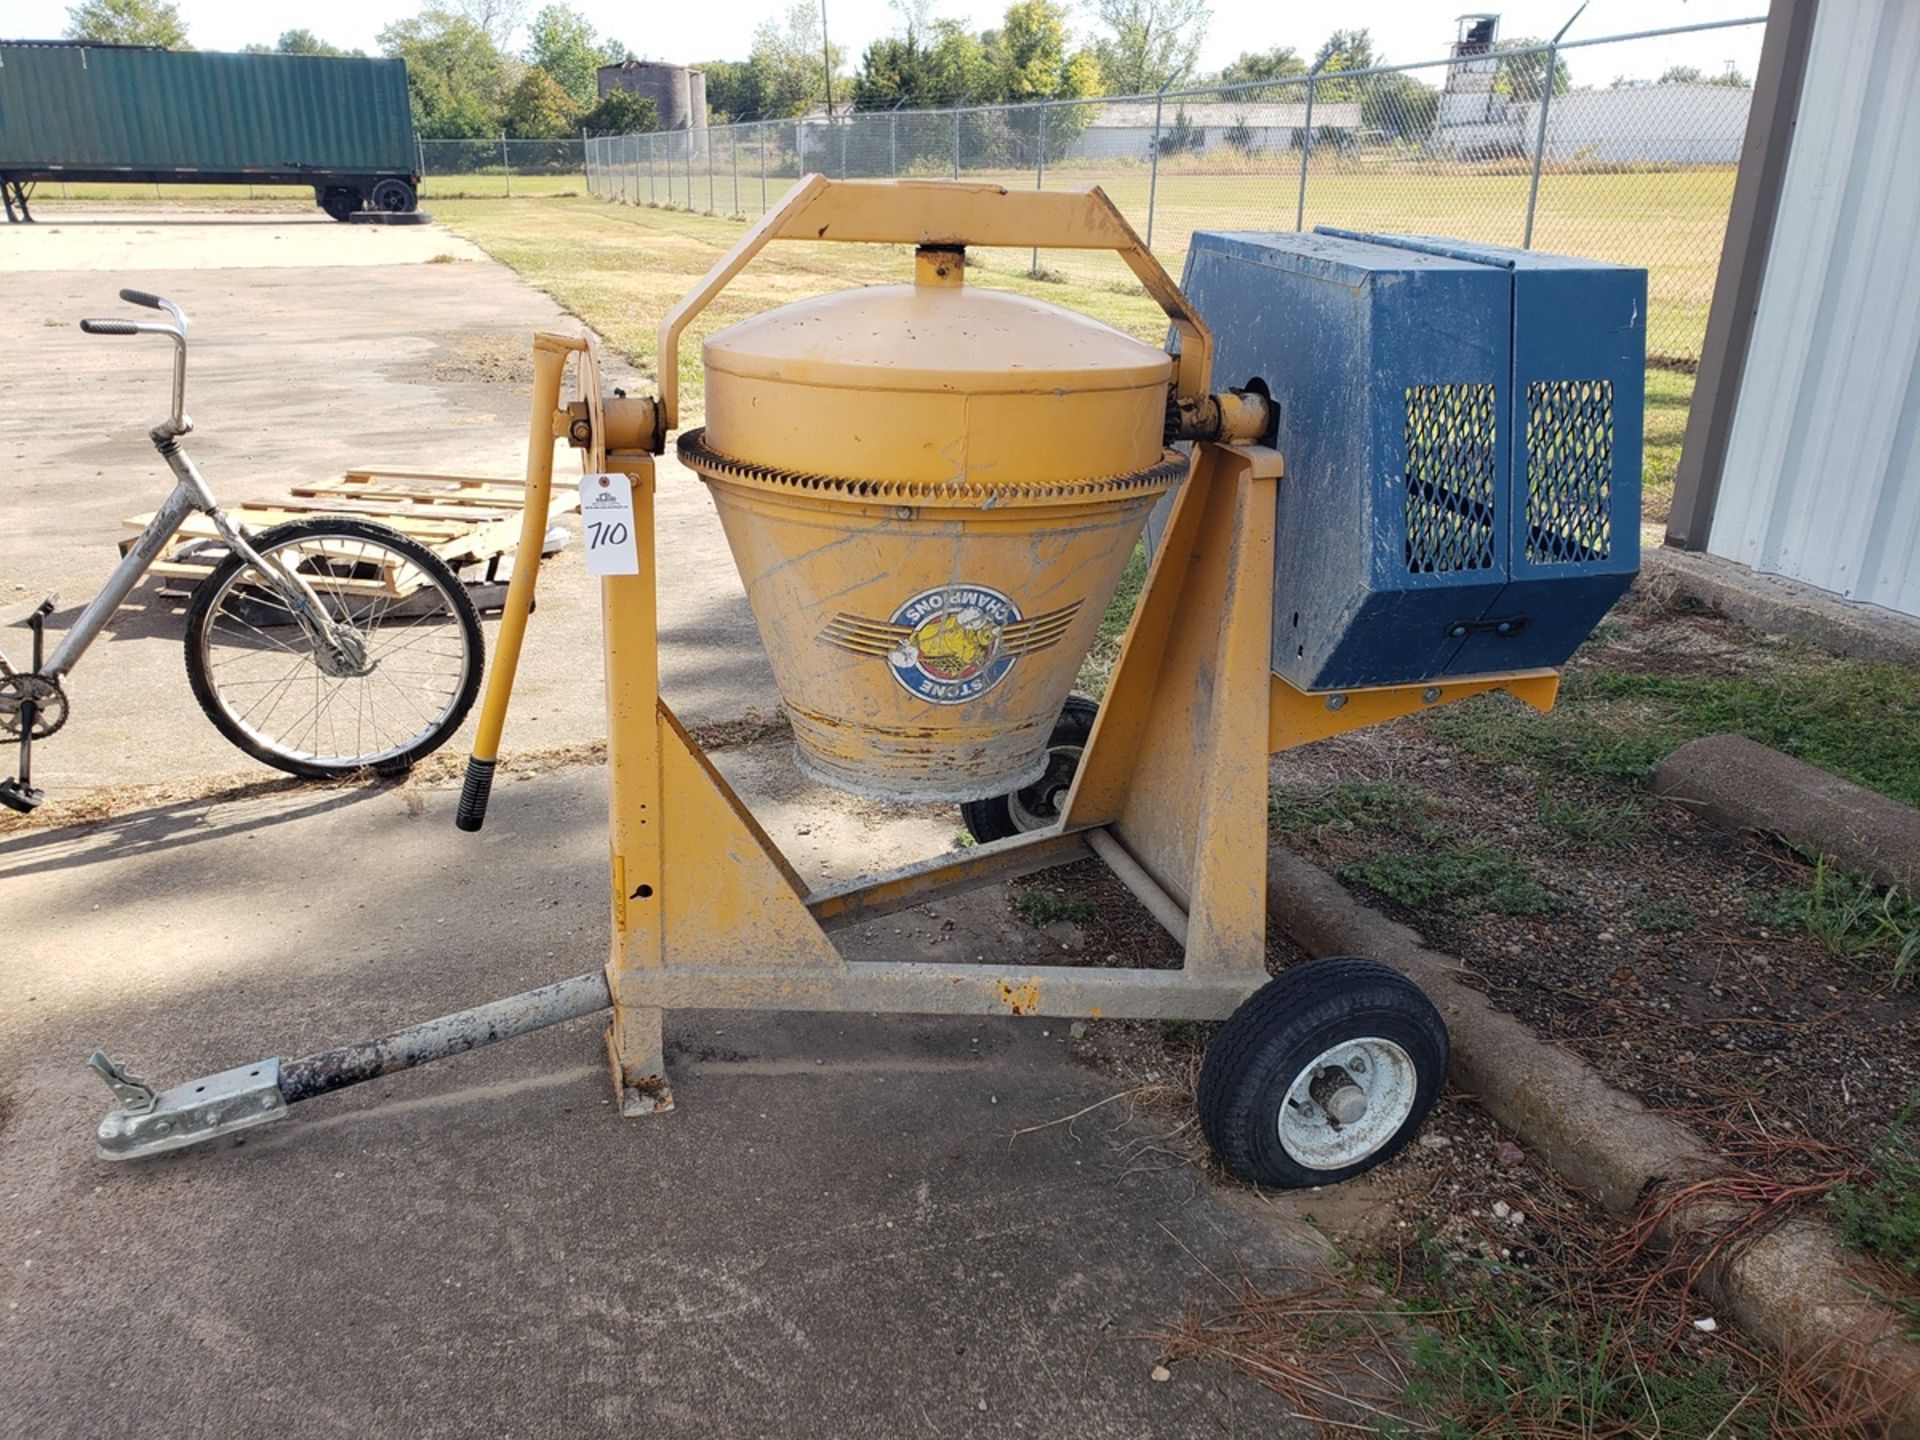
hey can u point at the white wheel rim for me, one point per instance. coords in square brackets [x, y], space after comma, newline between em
[1382, 1072]
[1052, 783]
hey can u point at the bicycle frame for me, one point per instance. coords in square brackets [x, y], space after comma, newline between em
[190, 493]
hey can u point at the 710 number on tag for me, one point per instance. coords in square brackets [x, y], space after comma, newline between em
[606, 518]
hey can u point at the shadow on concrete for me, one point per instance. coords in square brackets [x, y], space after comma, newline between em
[139, 833]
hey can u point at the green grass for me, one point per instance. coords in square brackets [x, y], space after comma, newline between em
[1664, 916]
[1610, 824]
[1851, 917]
[1496, 1353]
[1042, 905]
[1353, 805]
[1669, 396]
[1882, 1217]
[1856, 719]
[1455, 877]
[1097, 669]
[622, 267]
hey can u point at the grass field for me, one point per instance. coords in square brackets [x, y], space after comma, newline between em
[1670, 221]
[620, 267]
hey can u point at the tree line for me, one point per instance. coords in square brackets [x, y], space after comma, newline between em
[467, 83]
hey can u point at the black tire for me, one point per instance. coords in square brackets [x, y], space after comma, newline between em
[393, 197]
[1265, 1050]
[1037, 806]
[222, 599]
[342, 205]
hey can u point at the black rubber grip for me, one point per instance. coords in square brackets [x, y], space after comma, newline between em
[141, 297]
[472, 811]
[109, 327]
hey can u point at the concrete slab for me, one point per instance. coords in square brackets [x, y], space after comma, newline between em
[135, 238]
[298, 371]
[837, 1233]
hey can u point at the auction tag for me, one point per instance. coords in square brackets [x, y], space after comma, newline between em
[606, 518]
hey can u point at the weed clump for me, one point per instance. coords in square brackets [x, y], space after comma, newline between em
[1455, 877]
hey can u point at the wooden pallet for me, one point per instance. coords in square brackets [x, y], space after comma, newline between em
[465, 520]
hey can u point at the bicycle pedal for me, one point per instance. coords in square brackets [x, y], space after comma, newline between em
[24, 798]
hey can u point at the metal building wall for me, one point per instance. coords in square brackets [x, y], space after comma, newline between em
[1821, 480]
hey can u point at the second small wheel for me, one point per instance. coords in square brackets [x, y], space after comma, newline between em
[1323, 1073]
[1036, 806]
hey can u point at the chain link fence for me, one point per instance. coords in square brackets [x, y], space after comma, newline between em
[1500, 146]
[452, 168]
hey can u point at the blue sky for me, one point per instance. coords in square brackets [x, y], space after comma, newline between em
[1404, 30]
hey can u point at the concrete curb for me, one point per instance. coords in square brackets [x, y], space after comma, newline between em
[1791, 1287]
[1739, 784]
[1774, 605]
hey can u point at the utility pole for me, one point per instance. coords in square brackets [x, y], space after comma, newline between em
[826, 56]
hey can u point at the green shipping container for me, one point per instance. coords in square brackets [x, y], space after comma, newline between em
[78, 111]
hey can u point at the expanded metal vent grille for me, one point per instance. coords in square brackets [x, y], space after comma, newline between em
[1450, 465]
[1569, 471]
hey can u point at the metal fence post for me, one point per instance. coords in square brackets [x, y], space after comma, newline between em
[1153, 164]
[893, 143]
[1540, 137]
[762, 128]
[1306, 150]
[1039, 180]
[712, 204]
[687, 135]
[506, 164]
[956, 144]
[845, 125]
[733, 135]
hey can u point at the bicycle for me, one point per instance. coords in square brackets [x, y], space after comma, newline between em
[321, 646]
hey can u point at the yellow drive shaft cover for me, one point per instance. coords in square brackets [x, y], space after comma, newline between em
[930, 492]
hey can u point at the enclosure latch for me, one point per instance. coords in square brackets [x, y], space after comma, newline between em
[1511, 625]
[136, 1097]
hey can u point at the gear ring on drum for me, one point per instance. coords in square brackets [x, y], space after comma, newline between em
[49, 702]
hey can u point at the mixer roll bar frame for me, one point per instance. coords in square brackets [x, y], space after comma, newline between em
[707, 913]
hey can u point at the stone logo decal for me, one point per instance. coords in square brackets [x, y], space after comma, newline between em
[953, 643]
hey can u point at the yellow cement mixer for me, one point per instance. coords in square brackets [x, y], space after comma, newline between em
[931, 490]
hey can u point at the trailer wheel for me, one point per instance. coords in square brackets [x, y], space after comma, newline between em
[395, 197]
[1324, 1072]
[1036, 806]
[342, 204]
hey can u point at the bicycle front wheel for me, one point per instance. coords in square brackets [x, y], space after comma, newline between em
[388, 682]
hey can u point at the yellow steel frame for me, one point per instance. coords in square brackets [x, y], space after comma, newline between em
[707, 913]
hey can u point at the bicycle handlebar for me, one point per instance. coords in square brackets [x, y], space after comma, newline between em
[176, 423]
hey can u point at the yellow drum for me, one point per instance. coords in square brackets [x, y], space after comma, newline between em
[930, 491]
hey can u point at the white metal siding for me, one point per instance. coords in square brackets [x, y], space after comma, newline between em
[1822, 475]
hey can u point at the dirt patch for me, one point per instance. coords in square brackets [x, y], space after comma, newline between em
[502, 358]
[1661, 949]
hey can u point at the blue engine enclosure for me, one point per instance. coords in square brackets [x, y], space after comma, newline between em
[1462, 432]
